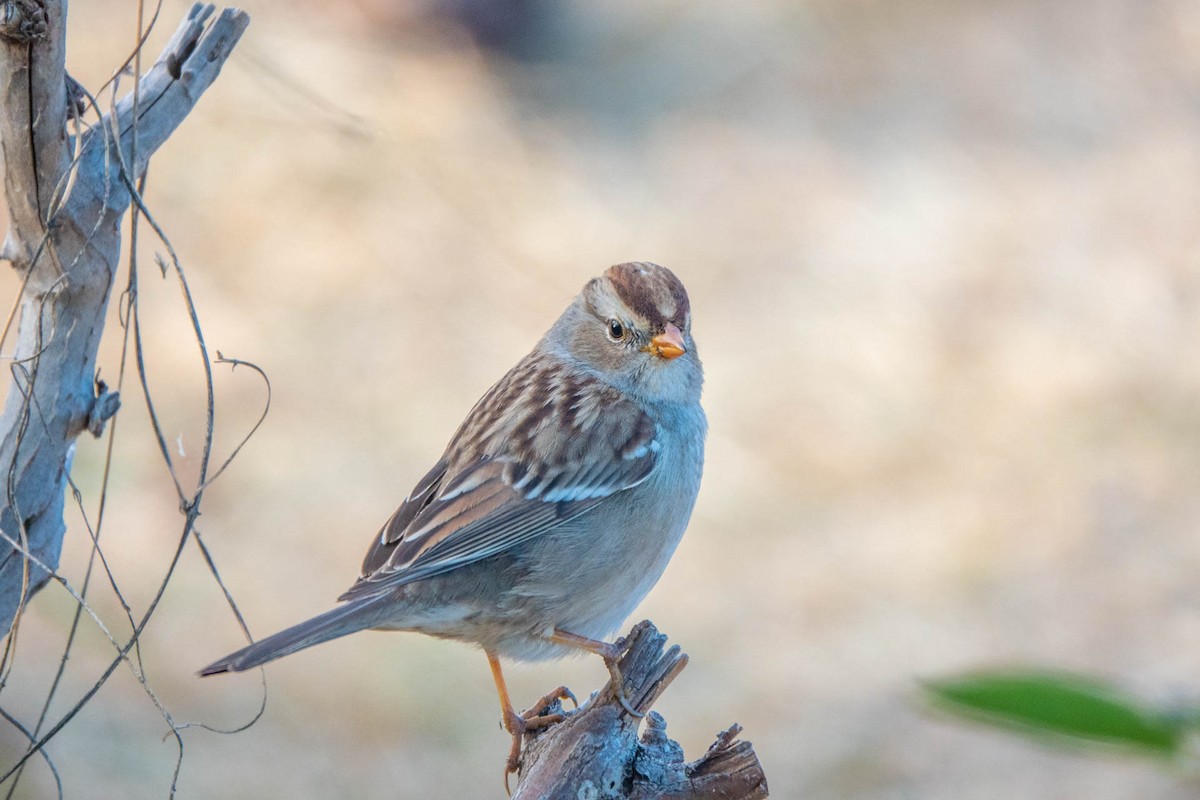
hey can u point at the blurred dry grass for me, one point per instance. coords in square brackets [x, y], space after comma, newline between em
[944, 260]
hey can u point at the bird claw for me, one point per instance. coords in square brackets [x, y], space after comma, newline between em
[513, 764]
[550, 698]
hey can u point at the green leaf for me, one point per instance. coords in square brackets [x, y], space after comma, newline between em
[1071, 709]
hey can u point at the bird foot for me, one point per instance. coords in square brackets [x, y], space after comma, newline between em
[533, 719]
[612, 654]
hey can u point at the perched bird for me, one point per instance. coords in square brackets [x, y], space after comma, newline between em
[558, 501]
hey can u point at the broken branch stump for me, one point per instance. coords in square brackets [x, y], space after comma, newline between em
[596, 753]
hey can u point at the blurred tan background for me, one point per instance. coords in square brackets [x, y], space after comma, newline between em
[945, 265]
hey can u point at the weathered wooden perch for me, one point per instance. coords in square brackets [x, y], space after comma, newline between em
[64, 240]
[595, 753]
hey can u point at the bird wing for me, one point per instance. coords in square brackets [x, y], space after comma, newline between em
[557, 448]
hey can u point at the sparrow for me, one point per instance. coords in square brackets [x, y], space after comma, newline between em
[557, 503]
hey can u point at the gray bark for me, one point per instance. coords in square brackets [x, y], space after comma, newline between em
[595, 753]
[66, 200]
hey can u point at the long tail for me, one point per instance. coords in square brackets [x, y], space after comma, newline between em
[348, 618]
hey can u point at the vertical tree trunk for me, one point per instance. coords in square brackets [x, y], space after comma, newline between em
[64, 241]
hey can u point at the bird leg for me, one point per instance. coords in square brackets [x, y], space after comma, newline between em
[518, 724]
[611, 653]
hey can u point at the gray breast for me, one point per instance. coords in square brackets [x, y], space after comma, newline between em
[593, 573]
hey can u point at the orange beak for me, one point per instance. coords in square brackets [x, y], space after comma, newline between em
[668, 344]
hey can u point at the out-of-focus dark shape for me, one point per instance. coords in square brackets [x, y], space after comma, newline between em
[518, 29]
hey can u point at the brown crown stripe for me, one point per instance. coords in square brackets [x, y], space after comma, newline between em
[651, 291]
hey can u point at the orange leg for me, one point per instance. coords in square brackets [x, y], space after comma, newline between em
[517, 724]
[611, 653]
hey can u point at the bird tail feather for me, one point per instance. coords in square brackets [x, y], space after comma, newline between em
[345, 619]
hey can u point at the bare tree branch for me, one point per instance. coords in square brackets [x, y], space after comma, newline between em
[595, 752]
[66, 198]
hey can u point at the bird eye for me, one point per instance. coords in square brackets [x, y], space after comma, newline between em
[615, 329]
